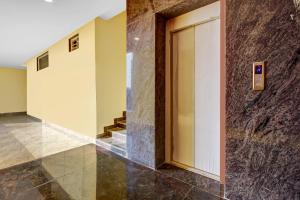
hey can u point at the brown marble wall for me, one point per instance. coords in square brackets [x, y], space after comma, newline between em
[141, 96]
[146, 96]
[262, 144]
[263, 128]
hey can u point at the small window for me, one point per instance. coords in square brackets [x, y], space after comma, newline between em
[43, 61]
[74, 43]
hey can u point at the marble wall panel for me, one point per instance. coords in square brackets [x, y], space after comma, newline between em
[141, 93]
[168, 8]
[262, 151]
[174, 8]
[146, 22]
[262, 127]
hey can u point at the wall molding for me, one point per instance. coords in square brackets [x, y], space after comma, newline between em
[68, 132]
[12, 114]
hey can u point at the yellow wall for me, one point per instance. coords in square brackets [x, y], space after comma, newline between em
[12, 90]
[65, 92]
[111, 69]
[86, 89]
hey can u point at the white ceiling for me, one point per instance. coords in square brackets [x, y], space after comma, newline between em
[27, 27]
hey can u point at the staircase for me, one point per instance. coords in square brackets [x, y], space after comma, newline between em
[114, 136]
[117, 130]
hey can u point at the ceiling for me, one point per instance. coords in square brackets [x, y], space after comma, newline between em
[27, 27]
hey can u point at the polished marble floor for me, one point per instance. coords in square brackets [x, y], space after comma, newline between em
[89, 172]
[23, 138]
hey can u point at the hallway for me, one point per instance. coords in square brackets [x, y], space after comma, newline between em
[150, 100]
[39, 169]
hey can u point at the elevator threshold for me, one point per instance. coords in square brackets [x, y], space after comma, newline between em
[197, 171]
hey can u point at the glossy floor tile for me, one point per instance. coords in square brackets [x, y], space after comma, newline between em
[23, 138]
[40, 162]
[91, 173]
[206, 184]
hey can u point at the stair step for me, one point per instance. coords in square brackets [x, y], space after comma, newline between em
[119, 135]
[114, 146]
[103, 135]
[106, 128]
[110, 131]
[121, 123]
[116, 120]
[116, 129]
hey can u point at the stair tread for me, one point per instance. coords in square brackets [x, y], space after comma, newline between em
[122, 132]
[120, 119]
[116, 129]
[122, 122]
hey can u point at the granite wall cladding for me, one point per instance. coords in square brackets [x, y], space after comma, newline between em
[263, 127]
[146, 94]
[141, 94]
[262, 144]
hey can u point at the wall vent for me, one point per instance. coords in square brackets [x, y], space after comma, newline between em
[43, 61]
[74, 43]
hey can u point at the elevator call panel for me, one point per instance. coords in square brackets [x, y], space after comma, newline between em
[259, 76]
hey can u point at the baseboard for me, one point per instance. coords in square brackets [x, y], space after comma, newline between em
[197, 171]
[12, 114]
[34, 118]
[70, 133]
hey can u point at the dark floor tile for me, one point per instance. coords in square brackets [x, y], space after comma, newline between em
[202, 182]
[85, 173]
[49, 191]
[122, 179]
[196, 194]
[21, 178]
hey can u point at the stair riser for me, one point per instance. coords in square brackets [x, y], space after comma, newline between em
[116, 120]
[121, 125]
[119, 136]
[112, 148]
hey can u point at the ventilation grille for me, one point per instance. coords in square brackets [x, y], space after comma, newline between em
[74, 43]
[43, 61]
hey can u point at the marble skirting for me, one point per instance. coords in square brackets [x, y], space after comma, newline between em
[12, 114]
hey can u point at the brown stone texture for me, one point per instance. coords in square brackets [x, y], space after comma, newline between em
[262, 127]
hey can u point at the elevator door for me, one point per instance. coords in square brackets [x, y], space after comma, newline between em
[196, 97]
[183, 96]
[207, 97]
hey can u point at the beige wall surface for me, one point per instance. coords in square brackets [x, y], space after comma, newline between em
[110, 69]
[86, 89]
[12, 90]
[65, 92]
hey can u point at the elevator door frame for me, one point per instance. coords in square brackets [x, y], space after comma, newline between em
[185, 21]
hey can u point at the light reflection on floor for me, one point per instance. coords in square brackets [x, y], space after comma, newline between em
[23, 139]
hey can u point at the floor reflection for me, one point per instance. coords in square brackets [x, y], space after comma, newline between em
[23, 139]
[40, 162]
[91, 173]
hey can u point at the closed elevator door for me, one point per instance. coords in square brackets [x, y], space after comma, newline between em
[196, 97]
[183, 96]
